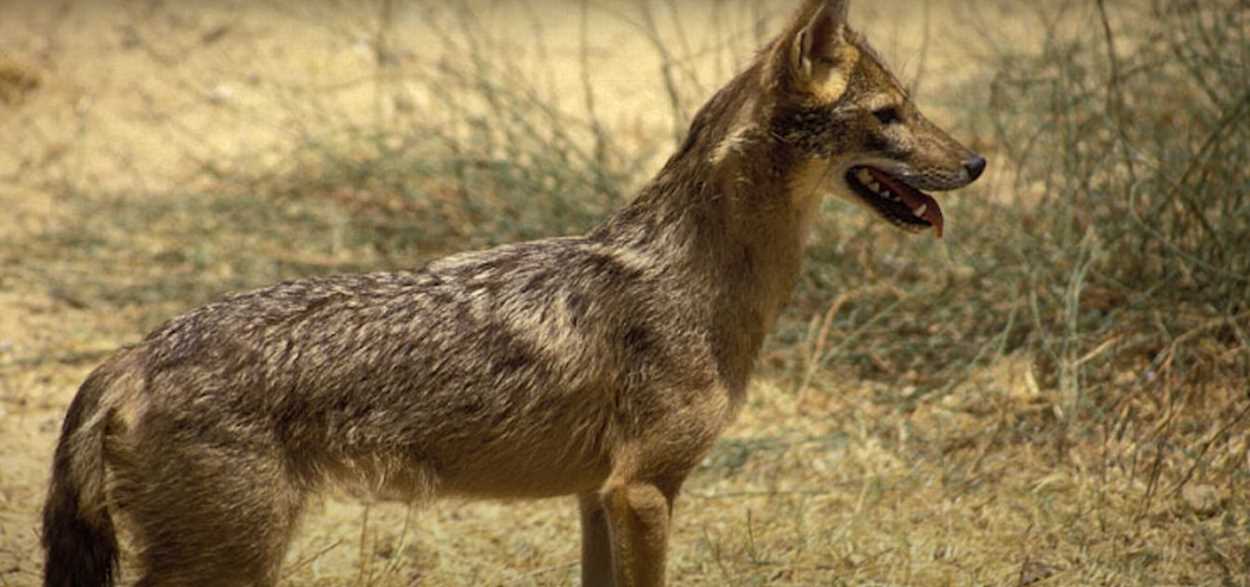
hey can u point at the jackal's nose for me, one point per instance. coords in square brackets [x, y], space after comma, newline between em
[975, 167]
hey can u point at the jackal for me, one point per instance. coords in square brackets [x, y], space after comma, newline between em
[602, 366]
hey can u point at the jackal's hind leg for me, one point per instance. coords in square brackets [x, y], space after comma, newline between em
[208, 515]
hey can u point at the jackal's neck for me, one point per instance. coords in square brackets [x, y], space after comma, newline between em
[728, 216]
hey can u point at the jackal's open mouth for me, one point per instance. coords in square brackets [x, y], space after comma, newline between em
[902, 205]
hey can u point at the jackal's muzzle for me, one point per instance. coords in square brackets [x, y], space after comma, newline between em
[901, 201]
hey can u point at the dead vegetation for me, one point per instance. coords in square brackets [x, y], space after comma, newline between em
[1055, 395]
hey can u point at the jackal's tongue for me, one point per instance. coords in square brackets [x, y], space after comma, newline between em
[914, 199]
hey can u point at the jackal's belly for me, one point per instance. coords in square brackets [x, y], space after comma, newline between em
[483, 443]
[554, 442]
[554, 446]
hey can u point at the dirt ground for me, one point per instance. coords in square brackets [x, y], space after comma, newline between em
[135, 98]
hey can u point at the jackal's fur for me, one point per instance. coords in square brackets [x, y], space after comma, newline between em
[603, 365]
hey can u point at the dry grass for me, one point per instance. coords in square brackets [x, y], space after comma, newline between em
[1055, 395]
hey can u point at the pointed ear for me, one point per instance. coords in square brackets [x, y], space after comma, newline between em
[819, 51]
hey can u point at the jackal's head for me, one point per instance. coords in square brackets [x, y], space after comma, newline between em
[835, 102]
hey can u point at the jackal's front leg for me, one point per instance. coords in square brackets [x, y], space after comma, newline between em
[596, 541]
[638, 515]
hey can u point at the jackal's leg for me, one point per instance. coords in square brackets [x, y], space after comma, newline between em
[638, 515]
[208, 515]
[596, 541]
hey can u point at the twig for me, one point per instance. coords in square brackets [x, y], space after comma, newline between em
[742, 494]
[299, 565]
[73, 358]
[365, 555]
[588, 94]
[668, 65]
[1115, 95]
[382, 59]
[393, 566]
[545, 570]
[816, 350]
[1165, 358]
[1102, 348]
[921, 67]
[1241, 416]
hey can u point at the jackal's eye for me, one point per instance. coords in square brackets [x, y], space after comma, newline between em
[888, 115]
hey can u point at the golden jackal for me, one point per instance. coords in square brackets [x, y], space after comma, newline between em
[602, 366]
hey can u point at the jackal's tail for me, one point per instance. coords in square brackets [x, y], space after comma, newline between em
[78, 535]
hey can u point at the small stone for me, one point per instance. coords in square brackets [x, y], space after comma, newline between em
[1033, 572]
[1202, 499]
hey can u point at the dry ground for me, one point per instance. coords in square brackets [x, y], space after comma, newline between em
[833, 484]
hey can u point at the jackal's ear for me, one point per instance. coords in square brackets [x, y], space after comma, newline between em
[820, 53]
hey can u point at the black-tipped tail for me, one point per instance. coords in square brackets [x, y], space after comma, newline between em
[78, 534]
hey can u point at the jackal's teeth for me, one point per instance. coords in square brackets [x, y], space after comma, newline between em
[874, 186]
[864, 176]
[920, 210]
